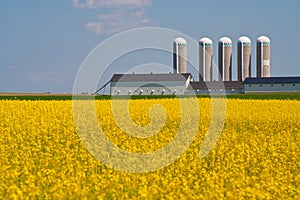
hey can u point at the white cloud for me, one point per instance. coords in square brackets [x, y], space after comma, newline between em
[83, 4]
[139, 13]
[95, 27]
[93, 4]
[120, 15]
[118, 20]
[145, 21]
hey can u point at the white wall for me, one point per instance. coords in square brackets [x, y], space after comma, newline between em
[146, 88]
[287, 87]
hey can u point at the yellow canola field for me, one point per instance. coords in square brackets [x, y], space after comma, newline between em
[257, 155]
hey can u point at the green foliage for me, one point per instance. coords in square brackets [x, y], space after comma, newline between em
[280, 96]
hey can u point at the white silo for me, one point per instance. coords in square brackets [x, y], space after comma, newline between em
[244, 58]
[179, 55]
[205, 59]
[263, 57]
[225, 59]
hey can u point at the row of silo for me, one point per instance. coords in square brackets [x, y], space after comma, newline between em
[224, 58]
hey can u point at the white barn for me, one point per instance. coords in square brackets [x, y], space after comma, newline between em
[272, 84]
[149, 84]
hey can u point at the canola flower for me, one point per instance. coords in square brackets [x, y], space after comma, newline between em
[257, 155]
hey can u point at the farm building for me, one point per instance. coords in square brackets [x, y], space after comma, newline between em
[149, 84]
[215, 87]
[179, 82]
[272, 84]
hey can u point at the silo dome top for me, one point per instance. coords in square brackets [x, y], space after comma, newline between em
[263, 39]
[206, 40]
[225, 40]
[244, 39]
[180, 40]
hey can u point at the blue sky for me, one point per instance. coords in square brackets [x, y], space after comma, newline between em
[43, 43]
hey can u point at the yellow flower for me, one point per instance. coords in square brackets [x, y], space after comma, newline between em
[256, 156]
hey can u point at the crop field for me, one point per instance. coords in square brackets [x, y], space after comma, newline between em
[257, 155]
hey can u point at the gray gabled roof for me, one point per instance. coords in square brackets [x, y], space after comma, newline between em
[272, 80]
[149, 77]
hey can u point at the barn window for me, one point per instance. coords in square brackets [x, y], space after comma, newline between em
[260, 85]
[282, 85]
[294, 84]
[272, 85]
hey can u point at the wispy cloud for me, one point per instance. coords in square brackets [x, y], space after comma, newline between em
[120, 15]
[96, 27]
[117, 21]
[94, 4]
[80, 4]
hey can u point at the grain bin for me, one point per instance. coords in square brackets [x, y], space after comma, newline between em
[180, 55]
[225, 59]
[263, 57]
[205, 59]
[244, 58]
